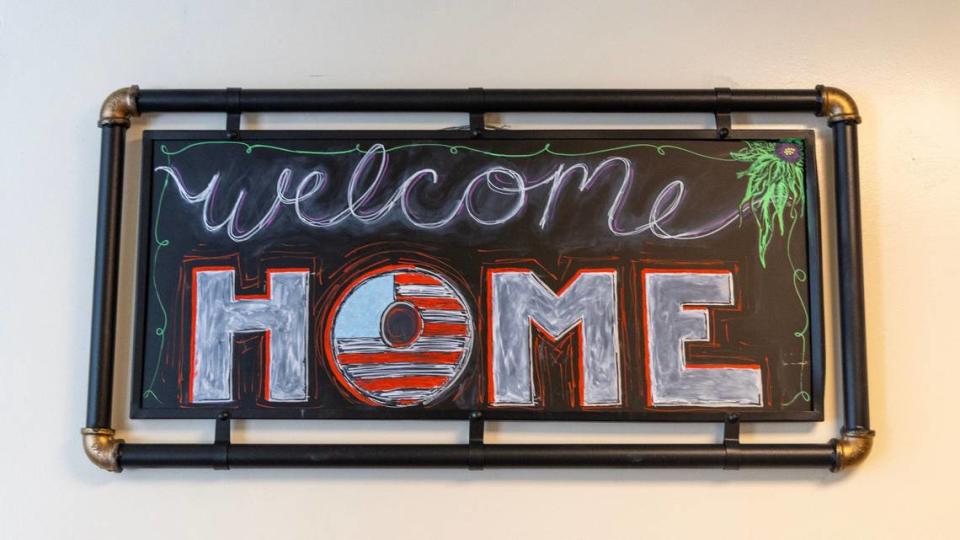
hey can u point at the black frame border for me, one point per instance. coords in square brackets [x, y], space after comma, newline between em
[813, 258]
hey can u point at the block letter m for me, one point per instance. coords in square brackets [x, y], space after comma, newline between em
[218, 315]
[519, 300]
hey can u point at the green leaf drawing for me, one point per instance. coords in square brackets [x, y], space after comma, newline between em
[774, 183]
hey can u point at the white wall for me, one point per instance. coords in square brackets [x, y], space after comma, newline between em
[58, 60]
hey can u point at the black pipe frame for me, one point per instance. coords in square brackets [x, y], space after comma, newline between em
[113, 454]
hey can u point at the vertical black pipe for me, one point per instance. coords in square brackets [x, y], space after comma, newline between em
[100, 391]
[850, 257]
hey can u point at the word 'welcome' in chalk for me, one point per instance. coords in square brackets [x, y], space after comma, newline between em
[368, 179]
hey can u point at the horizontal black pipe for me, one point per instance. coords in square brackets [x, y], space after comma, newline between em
[478, 100]
[492, 455]
[103, 324]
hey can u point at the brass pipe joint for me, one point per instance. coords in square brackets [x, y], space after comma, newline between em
[837, 106]
[119, 106]
[852, 448]
[102, 448]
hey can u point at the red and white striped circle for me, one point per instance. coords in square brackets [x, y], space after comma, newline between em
[400, 336]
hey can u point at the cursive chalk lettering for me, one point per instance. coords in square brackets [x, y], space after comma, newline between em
[509, 186]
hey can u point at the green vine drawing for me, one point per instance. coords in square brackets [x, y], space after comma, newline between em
[661, 150]
[775, 194]
[161, 330]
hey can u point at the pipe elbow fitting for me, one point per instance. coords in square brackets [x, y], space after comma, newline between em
[119, 106]
[852, 448]
[102, 449]
[837, 105]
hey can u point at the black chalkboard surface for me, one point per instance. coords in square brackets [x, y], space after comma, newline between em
[527, 275]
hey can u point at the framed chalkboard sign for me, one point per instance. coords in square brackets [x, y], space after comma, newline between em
[527, 275]
[475, 274]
